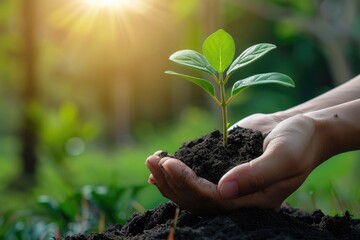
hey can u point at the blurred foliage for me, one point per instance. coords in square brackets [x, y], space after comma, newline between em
[90, 209]
[62, 132]
[112, 184]
[104, 103]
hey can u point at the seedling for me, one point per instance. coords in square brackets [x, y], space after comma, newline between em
[217, 60]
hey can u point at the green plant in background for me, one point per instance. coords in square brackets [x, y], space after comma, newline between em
[218, 53]
[90, 209]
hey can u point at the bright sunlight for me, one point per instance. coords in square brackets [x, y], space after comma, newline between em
[114, 4]
[110, 19]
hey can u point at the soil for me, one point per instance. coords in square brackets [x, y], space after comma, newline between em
[208, 158]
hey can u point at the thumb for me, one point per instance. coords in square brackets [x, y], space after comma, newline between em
[253, 176]
[239, 181]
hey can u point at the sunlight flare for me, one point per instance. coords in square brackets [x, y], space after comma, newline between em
[108, 22]
[117, 5]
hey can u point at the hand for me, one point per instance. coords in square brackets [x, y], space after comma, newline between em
[259, 121]
[179, 183]
[291, 151]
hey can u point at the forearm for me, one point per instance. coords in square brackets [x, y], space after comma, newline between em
[344, 93]
[338, 128]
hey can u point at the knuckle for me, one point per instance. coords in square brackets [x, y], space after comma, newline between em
[256, 181]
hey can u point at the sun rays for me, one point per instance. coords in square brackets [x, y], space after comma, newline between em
[109, 20]
[115, 5]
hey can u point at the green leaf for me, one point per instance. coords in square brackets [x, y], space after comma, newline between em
[193, 59]
[48, 203]
[219, 50]
[204, 84]
[263, 78]
[249, 55]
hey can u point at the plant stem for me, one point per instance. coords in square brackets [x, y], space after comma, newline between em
[224, 109]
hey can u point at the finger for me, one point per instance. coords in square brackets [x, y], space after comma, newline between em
[152, 179]
[255, 121]
[158, 152]
[179, 178]
[272, 196]
[259, 199]
[264, 171]
[192, 192]
[152, 163]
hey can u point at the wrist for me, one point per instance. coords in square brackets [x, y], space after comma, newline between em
[338, 127]
[324, 136]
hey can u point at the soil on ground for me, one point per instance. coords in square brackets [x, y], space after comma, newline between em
[209, 159]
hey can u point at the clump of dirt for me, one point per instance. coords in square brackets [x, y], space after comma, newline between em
[209, 159]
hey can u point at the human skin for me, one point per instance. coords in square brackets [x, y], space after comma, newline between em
[317, 130]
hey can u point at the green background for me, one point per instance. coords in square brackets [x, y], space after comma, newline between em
[100, 102]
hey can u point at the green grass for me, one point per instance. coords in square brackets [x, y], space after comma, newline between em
[332, 187]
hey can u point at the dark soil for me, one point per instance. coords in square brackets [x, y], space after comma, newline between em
[210, 159]
[245, 223]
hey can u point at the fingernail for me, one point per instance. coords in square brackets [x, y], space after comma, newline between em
[158, 152]
[162, 161]
[229, 189]
[163, 166]
[152, 179]
[148, 159]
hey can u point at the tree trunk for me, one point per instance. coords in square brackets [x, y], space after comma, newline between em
[28, 133]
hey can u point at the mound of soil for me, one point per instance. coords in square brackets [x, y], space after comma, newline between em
[246, 223]
[209, 159]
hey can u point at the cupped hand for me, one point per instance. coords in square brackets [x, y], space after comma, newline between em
[260, 121]
[291, 151]
[179, 183]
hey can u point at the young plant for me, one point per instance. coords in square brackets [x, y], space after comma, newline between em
[217, 60]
